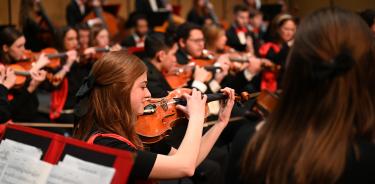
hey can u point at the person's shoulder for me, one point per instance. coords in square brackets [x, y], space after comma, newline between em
[113, 143]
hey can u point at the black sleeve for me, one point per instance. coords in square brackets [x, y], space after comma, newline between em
[128, 42]
[239, 83]
[24, 106]
[161, 147]
[144, 161]
[4, 105]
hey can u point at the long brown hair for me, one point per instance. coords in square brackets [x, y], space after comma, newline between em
[212, 33]
[109, 101]
[328, 103]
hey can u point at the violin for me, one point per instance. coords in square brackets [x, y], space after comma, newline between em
[265, 103]
[21, 70]
[180, 75]
[52, 54]
[160, 114]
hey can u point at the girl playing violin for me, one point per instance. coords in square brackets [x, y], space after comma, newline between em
[112, 97]
[23, 100]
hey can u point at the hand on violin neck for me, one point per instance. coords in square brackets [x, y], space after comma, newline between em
[89, 52]
[40, 63]
[254, 65]
[7, 77]
[195, 105]
[72, 57]
[201, 74]
[226, 106]
[36, 78]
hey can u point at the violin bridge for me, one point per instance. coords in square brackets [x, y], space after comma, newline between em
[164, 104]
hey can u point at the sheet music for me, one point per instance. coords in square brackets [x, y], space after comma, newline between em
[105, 173]
[21, 169]
[63, 174]
[9, 147]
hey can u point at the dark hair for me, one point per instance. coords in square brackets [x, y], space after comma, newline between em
[8, 36]
[156, 42]
[133, 19]
[82, 26]
[183, 31]
[368, 16]
[240, 8]
[327, 104]
[61, 33]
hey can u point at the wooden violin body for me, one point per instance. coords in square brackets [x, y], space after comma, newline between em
[265, 103]
[52, 54]
[159, 117]
[160, 114]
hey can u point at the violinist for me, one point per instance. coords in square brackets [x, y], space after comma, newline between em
[257, 29]
[84, 33]
[116, 91]
[139, 24]
[100, 43]
[160, 52]
[282, 31]
[191, 41]
[23, 100]
[245, 77]
[71, 75]
[238, 34]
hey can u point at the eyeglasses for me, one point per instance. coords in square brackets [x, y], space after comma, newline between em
[198, 40]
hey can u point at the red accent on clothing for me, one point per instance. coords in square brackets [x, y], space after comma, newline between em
[269, 79]
[58, 99]
[10, 97]
[115, 136]
[241, 29]
[264, 49]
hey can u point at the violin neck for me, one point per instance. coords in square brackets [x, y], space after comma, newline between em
[239, 59]
[210, 98]
[213, 69]
[54, 56]
[102, 49]
[22, 73]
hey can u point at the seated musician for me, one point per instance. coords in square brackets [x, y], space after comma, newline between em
[116, 91]
[23, 100]
[238, 34]
[160, 58]
[70, 75]
[140, 29]
[282, 31]
[191, 41]
[99, 39]
[257, 29]
[84, 36]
